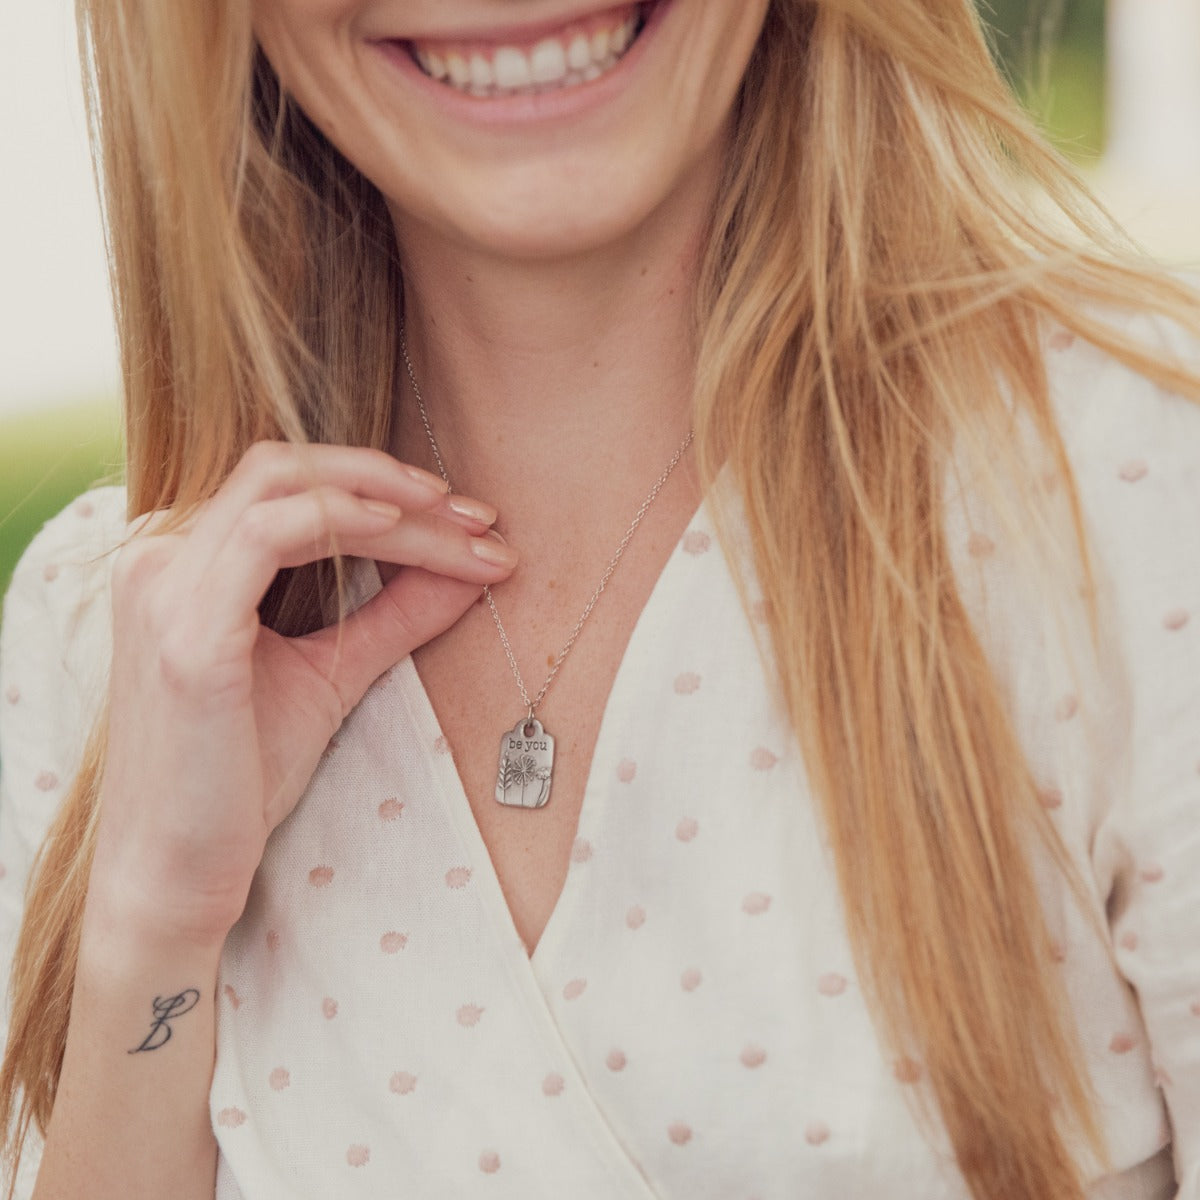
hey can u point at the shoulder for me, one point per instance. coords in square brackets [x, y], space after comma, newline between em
[1109, 412]
[1134, 448]
[59, 591]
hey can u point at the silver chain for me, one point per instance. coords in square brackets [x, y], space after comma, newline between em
[535, 703]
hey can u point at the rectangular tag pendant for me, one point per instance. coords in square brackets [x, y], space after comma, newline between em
[526, 763]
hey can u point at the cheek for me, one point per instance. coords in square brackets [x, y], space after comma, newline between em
[296, 35]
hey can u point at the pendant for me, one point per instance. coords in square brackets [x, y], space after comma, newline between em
[526, 761]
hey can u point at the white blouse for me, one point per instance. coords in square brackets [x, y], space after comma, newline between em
[690, 1025]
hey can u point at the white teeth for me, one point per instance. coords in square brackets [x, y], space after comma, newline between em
[458, 70]
[511, 68]
[481, 72]
[547, 61]
[579, 53]
[551, 63]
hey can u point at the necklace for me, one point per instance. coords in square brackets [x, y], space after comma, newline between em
[527, 750]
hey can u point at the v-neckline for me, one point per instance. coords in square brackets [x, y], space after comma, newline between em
[445, 770]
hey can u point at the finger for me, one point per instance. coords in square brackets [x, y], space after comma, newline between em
[409, 611]
[269, 470]
[293, 530]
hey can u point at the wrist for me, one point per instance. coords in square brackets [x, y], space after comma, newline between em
[122, 920]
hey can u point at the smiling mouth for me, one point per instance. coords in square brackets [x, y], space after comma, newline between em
[578, 53]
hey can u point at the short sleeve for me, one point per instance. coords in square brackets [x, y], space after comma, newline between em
[54, 653]
[1136, 450]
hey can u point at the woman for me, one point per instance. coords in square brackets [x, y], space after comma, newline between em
[861, 843]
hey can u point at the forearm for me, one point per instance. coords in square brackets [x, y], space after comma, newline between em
[130, 1117]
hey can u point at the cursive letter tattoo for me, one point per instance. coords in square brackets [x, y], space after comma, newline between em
[165, 1008]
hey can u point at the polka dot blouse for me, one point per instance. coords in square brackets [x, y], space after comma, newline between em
[690, 1026]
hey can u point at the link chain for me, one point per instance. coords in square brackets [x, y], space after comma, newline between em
[535, 703]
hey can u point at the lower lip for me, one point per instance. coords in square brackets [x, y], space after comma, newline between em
[557, 104]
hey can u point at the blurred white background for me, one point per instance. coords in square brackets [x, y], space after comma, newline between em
[56, 336]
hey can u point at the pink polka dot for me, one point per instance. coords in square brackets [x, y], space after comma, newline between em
[553, 1084]
[1152, 873]
[1066, 708]
[457, 877]
[441, 745]
[752, 1056]
[687, 683]
[393, 942]
[50, 572]
[831, 984]
[979, 545]
[907, 1070]
[1058, 952]
[83, 508]
[235, 1001]
[1062, 339]
[615, 1060]
[626, 770]
[1050, 482]
[756, 903]
[1195, 1010]
[687, 829]
[1129, 940]
[574, 989]
[635, 918]
[402, 1083]
[581, 851]
[816, 1134]
[761, 759]
[273, 940]
[679, 1133]
[12, 694]
[279, 1078]
[46, 781]
[1134, 471]
[690, 979]
[1176, 619]
[489, 1162]
[329, 1008]
[358, 1156]
[231, 1118]
[468, 1015]
[696, 541]
[1122, 1043]
[1050, 798]
[320, 877]
[391, 809]
[3, 871]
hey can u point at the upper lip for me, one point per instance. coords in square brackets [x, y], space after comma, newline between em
[518, 34]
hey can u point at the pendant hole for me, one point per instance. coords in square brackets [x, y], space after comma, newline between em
[528, 729]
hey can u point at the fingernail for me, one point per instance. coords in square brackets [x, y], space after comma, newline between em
[492, 549]
[383, 509]
[473, 510]
[427, 479]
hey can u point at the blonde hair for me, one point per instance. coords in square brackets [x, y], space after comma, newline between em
[875, 291]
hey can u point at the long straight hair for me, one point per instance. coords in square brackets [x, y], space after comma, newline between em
[874, 294]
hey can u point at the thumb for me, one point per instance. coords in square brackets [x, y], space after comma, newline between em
[411, 609]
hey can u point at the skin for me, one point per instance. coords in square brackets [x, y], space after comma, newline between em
[549, 270]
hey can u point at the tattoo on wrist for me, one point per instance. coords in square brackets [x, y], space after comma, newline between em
[166, 1008]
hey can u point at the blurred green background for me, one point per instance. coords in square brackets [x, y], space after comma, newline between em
[1051, 50]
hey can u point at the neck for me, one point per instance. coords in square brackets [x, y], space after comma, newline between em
[554, 386]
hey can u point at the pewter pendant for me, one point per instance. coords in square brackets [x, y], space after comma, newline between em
[526, 762]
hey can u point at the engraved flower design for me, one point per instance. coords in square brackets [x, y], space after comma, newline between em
[522, 771]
